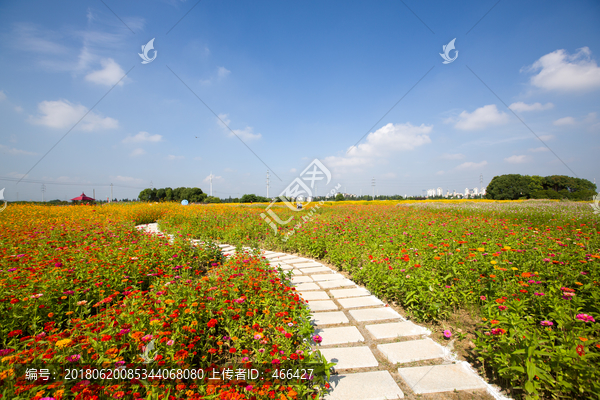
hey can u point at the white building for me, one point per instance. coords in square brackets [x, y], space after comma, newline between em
[440, 191]
[475, 192]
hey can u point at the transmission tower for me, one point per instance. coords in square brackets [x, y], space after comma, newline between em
[373, 185]
[267, 184]
[43, 191]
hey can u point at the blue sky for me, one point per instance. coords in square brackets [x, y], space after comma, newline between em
[295, 81]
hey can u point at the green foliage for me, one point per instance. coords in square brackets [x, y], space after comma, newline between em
[515, 186]
[252, 198]
[193, 195]
[339, 197]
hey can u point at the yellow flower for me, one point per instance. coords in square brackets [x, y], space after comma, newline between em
[494, 262]
[62, 343]
[515, 269]
[507, 247]
[169, 301]
[484, 319]
[579, 283]
[480, 249]
[6, 374]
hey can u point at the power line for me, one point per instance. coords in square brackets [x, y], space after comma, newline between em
[65, 183]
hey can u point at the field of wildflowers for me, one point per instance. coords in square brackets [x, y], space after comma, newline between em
[93, 306]
[529, 271]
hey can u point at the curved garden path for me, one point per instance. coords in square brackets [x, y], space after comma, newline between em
[379, 354]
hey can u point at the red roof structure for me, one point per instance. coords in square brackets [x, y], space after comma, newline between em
[83, 197]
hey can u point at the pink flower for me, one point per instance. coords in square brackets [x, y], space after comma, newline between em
[546, 323]
[585, 318]
[317, 339]
[483, 298]
[170, 342]
[447, 334]
[502, 308]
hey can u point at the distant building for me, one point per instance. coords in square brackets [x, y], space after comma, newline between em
[440, 191]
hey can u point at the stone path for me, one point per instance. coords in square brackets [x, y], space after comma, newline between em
[371, 343]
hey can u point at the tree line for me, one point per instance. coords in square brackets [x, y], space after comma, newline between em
[515, 186]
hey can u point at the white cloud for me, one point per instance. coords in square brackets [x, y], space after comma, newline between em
[471, 165]
[18, 109]
[440, 173]
[172, 157]
[591, 117]
[457, 156]
[222, 72]
[539, 149]
[563, 72]
[142, 137]
[137, 152]
[481, 118]
[110, 73]
[16, 175]
[564, 121]
[230, 170]
[127, 179]
[293, 170]
[546, 137]
[246, 134]
[13, 138]
[2, 95]
[63, 114]
[198, 158]
[389, 175]
[383, 143]
[15, 152]
[516, 159]
[522, 107]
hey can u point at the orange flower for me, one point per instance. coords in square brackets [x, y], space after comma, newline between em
[582, 339]
[494, 322]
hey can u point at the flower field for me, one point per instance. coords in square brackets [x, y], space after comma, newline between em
[528, 272]
[98, 310]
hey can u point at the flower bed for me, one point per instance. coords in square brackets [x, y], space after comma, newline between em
[529, 270]
[83, 292]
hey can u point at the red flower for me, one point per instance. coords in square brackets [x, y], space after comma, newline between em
[106, 338]
[212, 351]
[15, 333]
[579, 350]
[232, 350]
[235, 317]
[212, 323]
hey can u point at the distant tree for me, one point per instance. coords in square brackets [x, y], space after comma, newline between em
[178, 194]
[508, 187]
[145, 195]
[212, 199]
[339, 197]
[168, 194]
[160, 194]
[249, 198]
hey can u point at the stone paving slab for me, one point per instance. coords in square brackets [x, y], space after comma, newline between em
[274, 255]
[286, 257]
[224, 245]
[297, 260]
[376, 385]
[285, 267]
[314, 295]
[329, 318]
[342, 335]
[312, 270]
[310, 264]
[307, 286]
[322, 305]
[350, 357]
[441, 378]
[411, 350]
[396, 329]
[328, 277]
[365, 301]
[301, 279]
[374, 314]
[338, 283]
[341, 293]
[228, 248]
[296, 272]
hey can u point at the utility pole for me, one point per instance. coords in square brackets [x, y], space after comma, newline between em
[373, 185]
[267, 184]
[111, 192]
[151, 185]
[43, 191]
